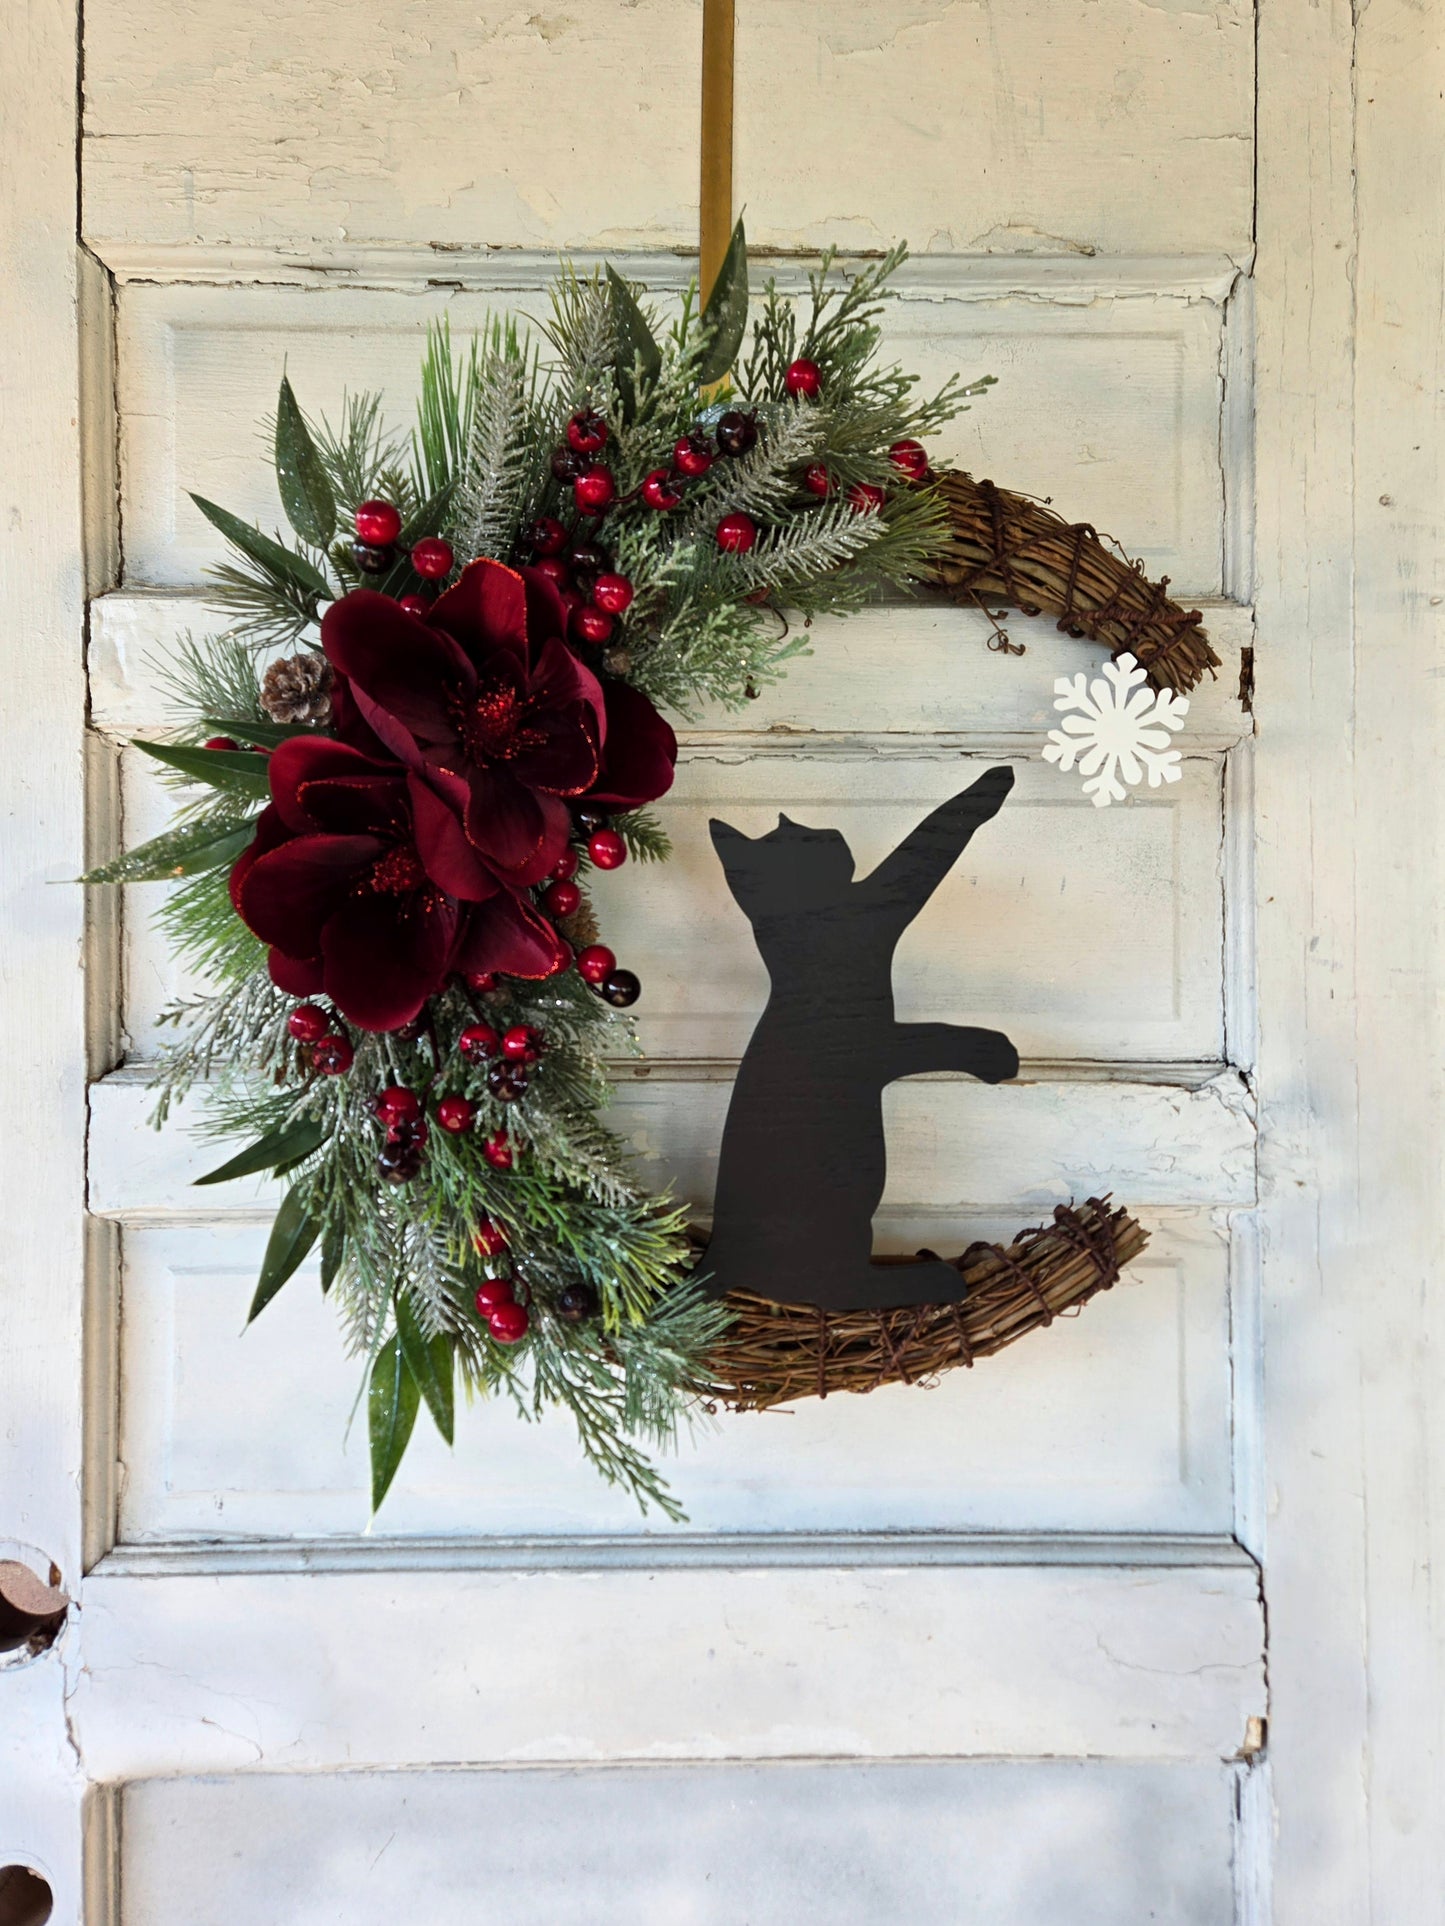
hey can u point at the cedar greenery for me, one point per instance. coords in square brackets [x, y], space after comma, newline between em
[399, 1260]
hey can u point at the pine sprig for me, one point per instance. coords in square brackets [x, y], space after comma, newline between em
[501, 475]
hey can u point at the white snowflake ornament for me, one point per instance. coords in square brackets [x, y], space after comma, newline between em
[1119, 731]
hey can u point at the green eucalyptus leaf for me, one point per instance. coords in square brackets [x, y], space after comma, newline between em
[283, 563]
[292, 1235]
[392, 1403]
[333, 1249]
[725, 318]
[239, 769]
[635, 344]
[431, 1362]
[301, 475]
[265, 735]
[277, 1150]
[179, 852]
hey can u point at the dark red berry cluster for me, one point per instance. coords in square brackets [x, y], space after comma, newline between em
[328, 1051]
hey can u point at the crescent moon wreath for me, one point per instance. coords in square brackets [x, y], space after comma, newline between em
[431, 724]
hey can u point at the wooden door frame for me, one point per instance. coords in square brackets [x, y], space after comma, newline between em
[1348, 813]
[1348, 766]
[43, 1055]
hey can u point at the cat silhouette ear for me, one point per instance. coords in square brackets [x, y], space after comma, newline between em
[725, 838]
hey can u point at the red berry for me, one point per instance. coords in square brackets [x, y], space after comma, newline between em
[478, 1042]
[910, 458]
[586, 432]
[613, 593]
[816, 479]
[660, 490]
[572, 599]
[590, 625]
[546, 536]
[736, 533]
[692, 455]
[498, 1151]
[802, 377]
[432, 558]
[398, 1105]
[594, 489]
[414, 1133]
[555, 570]
[509, 1323]
[308, 1023]
[332, 1055]
[865, 499]
[456, 1114]
[562, 899]
[522, 1044]
[221, 742]
[595, 962]
[607, 849]
[481, 981]
[490, 1238]
[565, 867]
[493, 1294]
[377, 524]
[413, 604]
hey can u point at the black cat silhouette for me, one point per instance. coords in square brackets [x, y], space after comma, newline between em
[803, 1157]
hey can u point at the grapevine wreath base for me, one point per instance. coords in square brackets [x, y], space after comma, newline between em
[1010, 548]
[775, 1353]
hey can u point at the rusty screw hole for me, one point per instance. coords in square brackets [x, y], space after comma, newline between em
[25, 1898]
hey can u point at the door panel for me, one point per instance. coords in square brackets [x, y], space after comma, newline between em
[1041, 127]
[309, 1658]
[1118, 1421]
[958, 1147]
[1101, 949]
[692, 1846]
[1107, 400]
[460, 125]
[1092, 126]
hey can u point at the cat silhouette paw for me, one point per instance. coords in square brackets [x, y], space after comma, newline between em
[985, 1054]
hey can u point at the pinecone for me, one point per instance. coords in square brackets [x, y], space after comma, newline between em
[297, 688]
[580, 928]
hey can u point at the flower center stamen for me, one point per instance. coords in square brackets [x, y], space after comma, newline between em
[493, 724]
[397, 873]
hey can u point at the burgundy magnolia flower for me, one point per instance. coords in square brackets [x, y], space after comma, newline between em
[639, 751]
[364, 883]
[486, 701]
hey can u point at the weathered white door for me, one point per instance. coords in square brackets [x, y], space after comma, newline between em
[991, 1652]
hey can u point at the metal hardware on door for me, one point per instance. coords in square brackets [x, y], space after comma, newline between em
[25, 1898]
[31, 1615]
